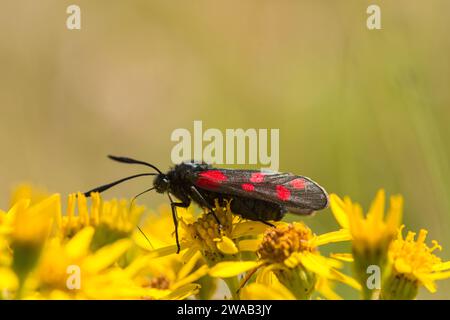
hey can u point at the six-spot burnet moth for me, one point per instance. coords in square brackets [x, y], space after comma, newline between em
[255, 195]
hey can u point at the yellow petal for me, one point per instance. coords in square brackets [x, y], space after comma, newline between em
[394, 216]
[426, 281]
[258, 291]
[248, 228]
[339, 212]
[324, 262]
[402, 266]
[439, 275]
[78, 246]
[441, 266]
[266, 276]
[157, 294]
[335, 236]
[346, 279]
[183, 292]
[356, 220]
[315, 260]
[137, 265]
[229, 269]
[249, 245]
[376, 211]
[8, 279]
[324, 287]
[188, 254]
[59, 295]
[314, 264]
[147, 265]
[164, 251]
[19, 206]
[51, 204]
[28, 191]
[33, 223]
[194, 276]
[189, 265]
[106, 256]
[227, 246]
[293, 260]
[347, 257]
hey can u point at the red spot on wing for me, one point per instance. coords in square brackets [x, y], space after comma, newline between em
[248, 187]
[257, 177]
[211, 179]
[298, 183]
[283, 193]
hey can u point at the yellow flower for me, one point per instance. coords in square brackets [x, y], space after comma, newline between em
[158, 229]
[325, 287]
[290, 253]
[95, 251]
[215, 244]
[371, 235]
[170, 276]
[113, 220]
[72, 270]
[70, 267]
[413, 264]
[81, 255]
[30, 192]
[165, 269]
[203, 234]
[31, 224]
[30, 228]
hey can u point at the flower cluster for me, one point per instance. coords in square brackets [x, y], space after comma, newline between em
[97, 249]
[86, 253]
[386, 265]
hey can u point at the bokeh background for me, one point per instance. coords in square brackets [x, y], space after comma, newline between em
[357, 109]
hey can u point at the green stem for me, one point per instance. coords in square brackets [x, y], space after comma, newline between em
[233, 286]
[20, 289]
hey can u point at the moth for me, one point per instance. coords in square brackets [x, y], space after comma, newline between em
[253, 194]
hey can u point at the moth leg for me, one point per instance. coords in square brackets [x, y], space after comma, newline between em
[174, 206]
[205, 204]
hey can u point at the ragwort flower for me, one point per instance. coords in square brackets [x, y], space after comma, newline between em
[290, 253]
[371, 235]
[215, 243]
[47, 255]
[413, 264]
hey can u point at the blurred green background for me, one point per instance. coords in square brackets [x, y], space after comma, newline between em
[357, 109]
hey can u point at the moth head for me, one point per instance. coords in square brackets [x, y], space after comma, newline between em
[161, 183]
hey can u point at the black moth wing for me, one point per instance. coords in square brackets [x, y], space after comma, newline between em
[298, 194]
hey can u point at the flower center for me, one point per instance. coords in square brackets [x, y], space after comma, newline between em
[279, 243]
[205, 231]
[410, 255]
[160, 282]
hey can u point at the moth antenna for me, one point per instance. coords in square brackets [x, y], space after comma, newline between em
[112, 184]
[133, 161]
[138, 195]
